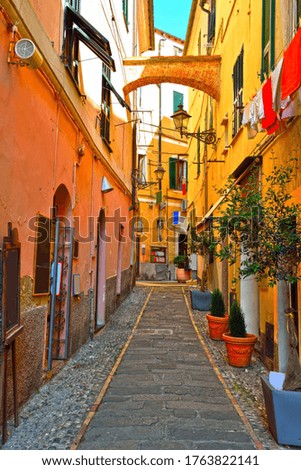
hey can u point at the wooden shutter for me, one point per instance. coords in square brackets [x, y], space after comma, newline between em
[172, 173]
[178, 98]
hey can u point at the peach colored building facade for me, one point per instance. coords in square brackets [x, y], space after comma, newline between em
[66, 156]
[162, 216]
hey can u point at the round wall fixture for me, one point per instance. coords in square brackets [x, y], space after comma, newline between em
[25, 48]
[28, 54]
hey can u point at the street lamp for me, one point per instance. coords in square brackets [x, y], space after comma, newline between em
[159, 172]
[181, 118]
[139, 180]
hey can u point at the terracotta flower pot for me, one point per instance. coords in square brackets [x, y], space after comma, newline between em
[182, 275]
[239, 350]
[217, 326]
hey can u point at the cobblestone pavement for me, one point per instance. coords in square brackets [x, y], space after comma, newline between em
[54, 415]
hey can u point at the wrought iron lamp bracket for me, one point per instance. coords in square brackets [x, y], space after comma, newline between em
[208, 137]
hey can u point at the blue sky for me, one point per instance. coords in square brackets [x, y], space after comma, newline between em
[172, 16]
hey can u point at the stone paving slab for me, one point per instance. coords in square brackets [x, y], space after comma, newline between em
[52, 418]
[166, 371]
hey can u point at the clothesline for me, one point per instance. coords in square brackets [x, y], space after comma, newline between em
[279, 98]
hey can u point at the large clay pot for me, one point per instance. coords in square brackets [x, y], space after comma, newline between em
[239, 350]
[217, 326]
[182, 275]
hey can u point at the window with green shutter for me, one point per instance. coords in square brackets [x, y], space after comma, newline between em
[172, 172]
[211, 21]
[268, 37]
[178, 170]
[125, 9]
[238, 81]
[178, 98]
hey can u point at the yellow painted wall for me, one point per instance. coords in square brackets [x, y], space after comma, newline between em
[238, 25]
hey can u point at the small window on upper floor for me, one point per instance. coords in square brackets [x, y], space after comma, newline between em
[142, 166]
[178, 98]
[178, 169]
[75, 4]
[238, 81]
[268, 38]
[105, 114]
[125, 9]
[211, 21]
[77, 31]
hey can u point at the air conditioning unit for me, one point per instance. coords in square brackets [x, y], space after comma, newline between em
[184, 205]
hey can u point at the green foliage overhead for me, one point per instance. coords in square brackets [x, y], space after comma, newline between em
[260, 220]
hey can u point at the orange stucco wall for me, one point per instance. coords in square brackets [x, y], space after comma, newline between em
[51, 22]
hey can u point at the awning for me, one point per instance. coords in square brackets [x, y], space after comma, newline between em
[239, 173]
[113, 90]
[211, 210]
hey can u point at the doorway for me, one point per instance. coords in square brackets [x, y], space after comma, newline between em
[101, 271]
[182, 244]
[60, 277]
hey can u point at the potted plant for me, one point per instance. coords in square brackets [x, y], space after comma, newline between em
[217, 318]
[259, 226]
[182, 264]
[239, 343]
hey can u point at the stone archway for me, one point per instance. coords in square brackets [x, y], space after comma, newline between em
[199, 72]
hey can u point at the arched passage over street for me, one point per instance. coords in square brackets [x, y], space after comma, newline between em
[199, 72]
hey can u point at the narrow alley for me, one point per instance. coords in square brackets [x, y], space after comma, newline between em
[151, 379]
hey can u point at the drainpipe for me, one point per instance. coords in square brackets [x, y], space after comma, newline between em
[202, 3]
[160, 139]
[92, 251]
[160, 116]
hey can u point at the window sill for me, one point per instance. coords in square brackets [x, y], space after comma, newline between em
[236, 136]
[107, 144]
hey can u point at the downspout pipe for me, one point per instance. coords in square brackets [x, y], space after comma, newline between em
[202, 3]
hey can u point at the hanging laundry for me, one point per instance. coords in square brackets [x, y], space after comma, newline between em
[184, 186]
[246, 115]
[270, 122]
[294, 106]
[246, 120]
[260, 106]
[291, 70]
[276, 86]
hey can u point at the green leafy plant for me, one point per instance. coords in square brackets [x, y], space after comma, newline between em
[237, 325]
[259, 221]
[200, 243]
[217, 307]
[179, 261]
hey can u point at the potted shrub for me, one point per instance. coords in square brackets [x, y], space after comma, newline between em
[239, 343]
[261, 221]
[217, 318]
[182, 264]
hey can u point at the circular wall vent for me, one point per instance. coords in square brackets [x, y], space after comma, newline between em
[25, 48]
